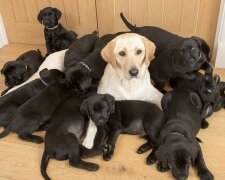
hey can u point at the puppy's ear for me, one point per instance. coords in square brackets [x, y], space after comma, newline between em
[39, 17]
[3, 69]
[216, 78]
[162, 154]
[166, 100]
[107, 53]
[111, 102]
[202, 44]
[83, 107]
[149, 50]
[57, 13]
[195, 100]
[43, 73]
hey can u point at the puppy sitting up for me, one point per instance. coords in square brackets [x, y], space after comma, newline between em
[18, 71]
[129, 117]
[62, 139]
[49, 17]
[177, 145]
[12, 101]
[37, 112]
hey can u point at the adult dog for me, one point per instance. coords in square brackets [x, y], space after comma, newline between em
[177, 144]
[181, 60]
[53, 61]
[49, 17]
[126, 75]
[208, 89]
[163, 39]
[18, 71]
[68, 127]
[12, 101]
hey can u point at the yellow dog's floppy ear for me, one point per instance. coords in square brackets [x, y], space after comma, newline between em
[107, 53]
[149, 50]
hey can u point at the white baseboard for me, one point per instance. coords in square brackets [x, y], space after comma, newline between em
[220, 56]
[3, 35]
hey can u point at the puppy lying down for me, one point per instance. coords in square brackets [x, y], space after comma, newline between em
[63, 135]
[177, 147]
[126, 75]
[53, 61]
[12, 101]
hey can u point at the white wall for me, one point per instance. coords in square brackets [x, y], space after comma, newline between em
[219, 45]
[3, 36]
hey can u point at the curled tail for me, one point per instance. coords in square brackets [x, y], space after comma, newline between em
[127, 23]
[44, 164]
[5, 132]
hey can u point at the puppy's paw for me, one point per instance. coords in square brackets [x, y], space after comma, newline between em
[151, 159]
[93, 167]
[88, 143]
[144, 148]
[161, 168]
[108, 152]
[206, 175]
[204, 124]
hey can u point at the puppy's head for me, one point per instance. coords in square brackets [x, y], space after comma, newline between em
[190, 54]
[15, 73]
[210, 89]
[98, 107]
[79, 77]
[129, 54]
[49, 16]
[51, 76]
[178, 155]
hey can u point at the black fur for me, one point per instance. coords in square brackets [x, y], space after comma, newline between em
[66, 130]
[37, 112]
[177, 144]
[18, 71]
[9, 103]
[208, 89]
[57, 38]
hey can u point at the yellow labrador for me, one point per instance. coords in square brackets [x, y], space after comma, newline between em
[126, 76]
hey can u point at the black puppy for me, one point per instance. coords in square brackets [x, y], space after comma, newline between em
[18, 71]
[130, 117]
[208, 89]
[177, 144]
[37, 112]
[221, 104]
[66, 130]
[86, 74]
[178, 61]
[49, 17]
[79, 49]
[163, 39]
[12, 101]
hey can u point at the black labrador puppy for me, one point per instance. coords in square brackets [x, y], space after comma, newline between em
[63, 134]
[79, 49]
[163, 39]
[9, 103]
[208, 89]
[18, 71]
[86, 74]
[129, 117]
[35, 113]
[177, 144]
[49, 17]
[221, 104]
[182, 60]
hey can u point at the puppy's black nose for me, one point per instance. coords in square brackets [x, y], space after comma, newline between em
[133, 72]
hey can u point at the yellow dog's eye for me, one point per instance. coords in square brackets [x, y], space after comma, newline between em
[122, 53]
[139, 51]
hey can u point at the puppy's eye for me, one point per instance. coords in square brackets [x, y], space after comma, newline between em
[139, 51]
[122, 53]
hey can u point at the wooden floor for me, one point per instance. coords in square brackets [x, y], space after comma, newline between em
[21, 160]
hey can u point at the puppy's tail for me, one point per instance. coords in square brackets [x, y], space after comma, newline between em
[5, 132]
[44, 164]
[127, 23]
[86, 153]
